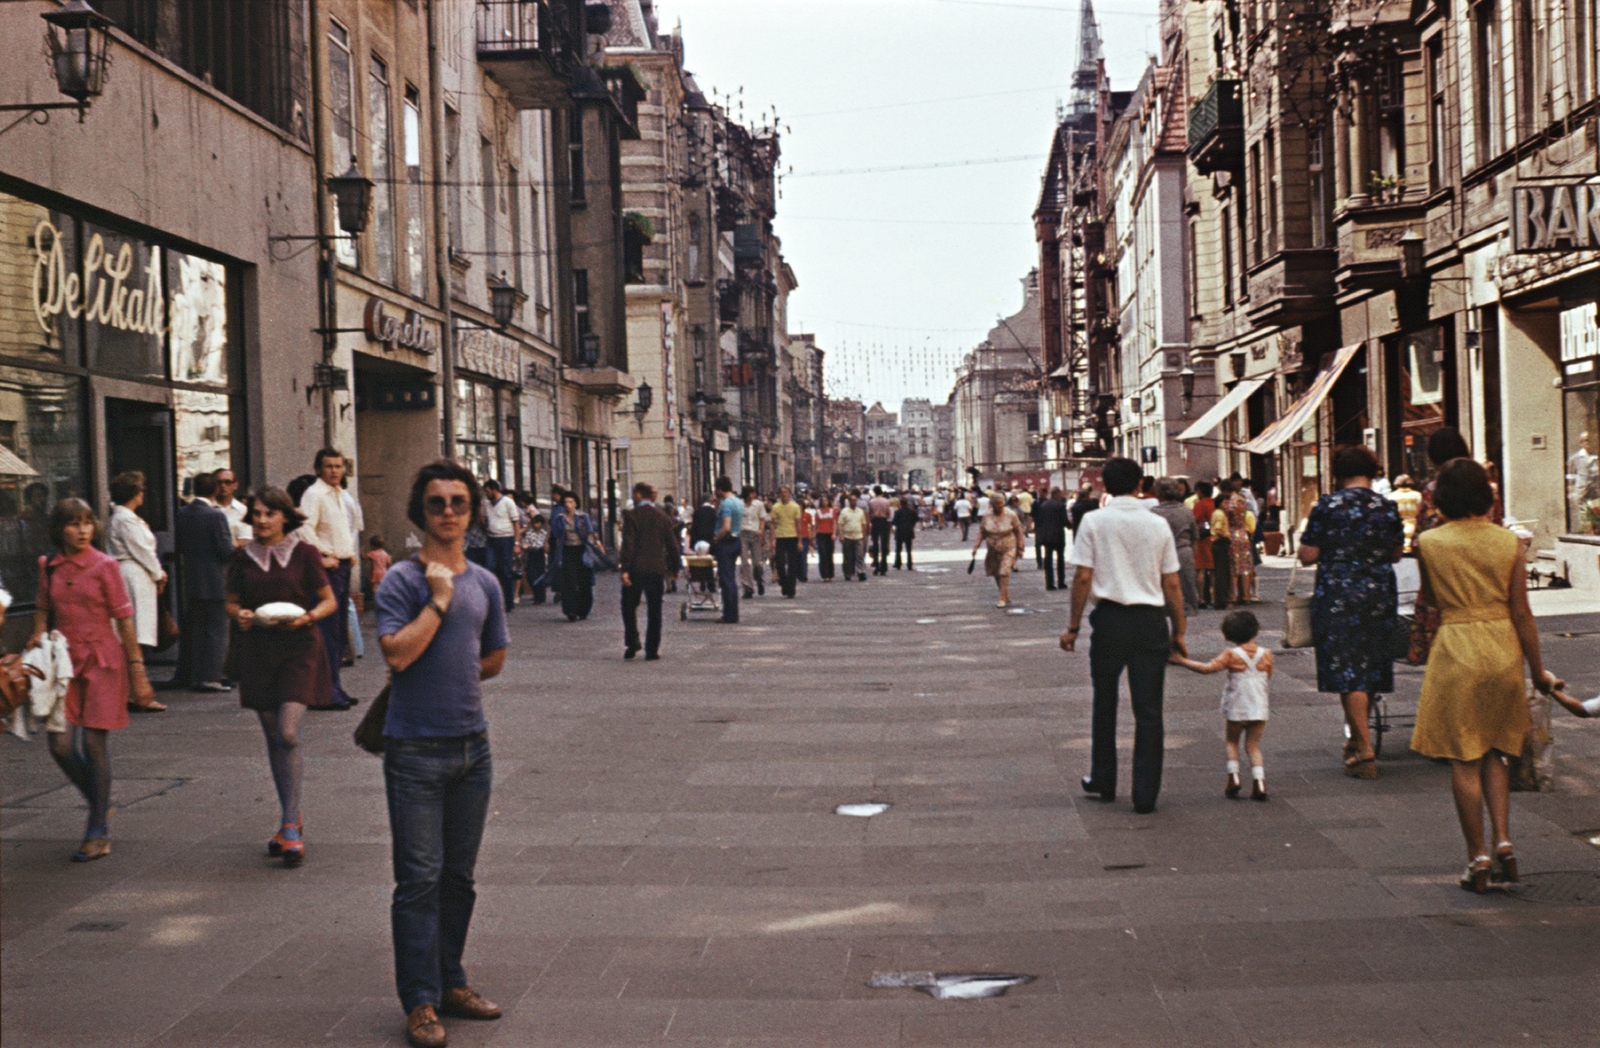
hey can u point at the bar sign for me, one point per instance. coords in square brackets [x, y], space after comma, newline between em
[1555, 217]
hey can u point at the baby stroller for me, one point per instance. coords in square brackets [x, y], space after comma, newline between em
[702, 587]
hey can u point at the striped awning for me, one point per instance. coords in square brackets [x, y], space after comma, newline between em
[12, 466]
[1222, 409]
[1294, 420]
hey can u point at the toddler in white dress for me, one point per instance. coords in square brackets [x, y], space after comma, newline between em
[1244, 697]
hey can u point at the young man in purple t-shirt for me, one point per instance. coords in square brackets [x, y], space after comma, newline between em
[442, 625]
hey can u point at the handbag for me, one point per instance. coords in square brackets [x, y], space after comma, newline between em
[1296, 615]
[369, 733]
[594, 560]
[14, 686]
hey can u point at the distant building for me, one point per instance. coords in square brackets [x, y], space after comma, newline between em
[883, 446]
[996, 401]
[844, 445]
[917, 443]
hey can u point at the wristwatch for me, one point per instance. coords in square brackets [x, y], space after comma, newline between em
[435, 606]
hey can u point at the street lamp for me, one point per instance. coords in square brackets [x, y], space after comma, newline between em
[76, 40]
[645, 396]
[1412, 244]
[502, 300]
[1186, 384]
[353, 193]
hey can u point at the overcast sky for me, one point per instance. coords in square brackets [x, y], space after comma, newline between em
[903, 271]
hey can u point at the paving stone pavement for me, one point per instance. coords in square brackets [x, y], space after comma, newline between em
[662, 864]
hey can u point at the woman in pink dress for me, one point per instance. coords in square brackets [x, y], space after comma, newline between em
[81, 595]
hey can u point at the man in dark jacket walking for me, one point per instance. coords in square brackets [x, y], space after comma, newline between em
[205, 545]
[1050, 539]
[703, 525]
[904, 523]
[649, 555]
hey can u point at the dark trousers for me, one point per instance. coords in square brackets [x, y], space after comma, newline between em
[202, 642]
[788, 557]
[533, 570]
[802, 570]
[438, 792]
[502, 553]
[1221, 573]
[880, 546]
[650, 587]
[727, 550]
[1131, 637]
[1055, 552]
[852, 557]
[903, 542]
[333, 626]
[577, 584]
[825, 556]
[966, 524]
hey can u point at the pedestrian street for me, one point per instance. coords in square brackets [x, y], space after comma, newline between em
[663, 863]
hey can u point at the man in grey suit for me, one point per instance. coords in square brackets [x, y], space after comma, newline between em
[205, 545]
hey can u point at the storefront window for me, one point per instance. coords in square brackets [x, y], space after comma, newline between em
[1421, 388]
[199, 319]
[39, 269]
[41, 462]
[1582, 465]
[201, 431]
[477, 431]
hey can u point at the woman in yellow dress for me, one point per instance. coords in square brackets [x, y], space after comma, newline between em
[1474, 708]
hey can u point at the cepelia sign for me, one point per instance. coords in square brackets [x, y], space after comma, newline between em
[1555, 216]
[410, 333]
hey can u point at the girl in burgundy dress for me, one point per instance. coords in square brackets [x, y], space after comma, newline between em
[281, 667]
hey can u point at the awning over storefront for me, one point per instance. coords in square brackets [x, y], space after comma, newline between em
[1294, 420]
[1222, 409]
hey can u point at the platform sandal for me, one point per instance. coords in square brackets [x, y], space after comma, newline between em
[1475, 878]
[1505, 864]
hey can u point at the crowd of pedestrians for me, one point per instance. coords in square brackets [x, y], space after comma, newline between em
[271, 584]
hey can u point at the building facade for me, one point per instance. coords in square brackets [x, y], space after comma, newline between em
[995, 400]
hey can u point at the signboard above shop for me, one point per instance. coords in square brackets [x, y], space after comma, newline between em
[1555, 216]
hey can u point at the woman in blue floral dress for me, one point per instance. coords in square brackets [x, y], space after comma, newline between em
[1354, 536]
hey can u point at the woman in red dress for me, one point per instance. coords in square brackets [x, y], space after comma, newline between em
[1204, 563]
[281, 668]
[81, 595]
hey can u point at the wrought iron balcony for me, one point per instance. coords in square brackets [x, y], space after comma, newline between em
[1216, 128]
[525, 47]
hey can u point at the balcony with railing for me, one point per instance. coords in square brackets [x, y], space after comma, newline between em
[525, 47]
[1216, 128]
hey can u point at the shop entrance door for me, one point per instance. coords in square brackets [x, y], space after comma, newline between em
[139, 436]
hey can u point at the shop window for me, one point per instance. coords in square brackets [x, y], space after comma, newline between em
[1582, 409]
[38, 317]
[201, 432]
[198, 319]
[123, 304]
[43, 462]
[1419, 394]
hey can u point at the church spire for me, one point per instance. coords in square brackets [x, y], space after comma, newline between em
[1086, 78]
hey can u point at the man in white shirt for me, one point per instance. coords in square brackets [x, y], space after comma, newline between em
[333, 524]
[964, 514]
[227, 488]
[753, 541]
[1127, 561]
[502, 524]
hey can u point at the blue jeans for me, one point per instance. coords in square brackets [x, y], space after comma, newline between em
[438, 792]
[502, 561]
[727, 550]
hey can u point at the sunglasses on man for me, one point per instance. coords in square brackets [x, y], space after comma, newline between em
[435, 505]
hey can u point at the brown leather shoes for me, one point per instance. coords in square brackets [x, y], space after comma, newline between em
[463, 1002]
[423, 1028]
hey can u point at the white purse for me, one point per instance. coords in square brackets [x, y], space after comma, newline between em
[1296, 615]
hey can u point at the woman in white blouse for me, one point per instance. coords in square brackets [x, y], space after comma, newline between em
[130, 540]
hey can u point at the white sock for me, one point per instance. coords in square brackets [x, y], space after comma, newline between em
[1233, 767]
[1258, 772]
